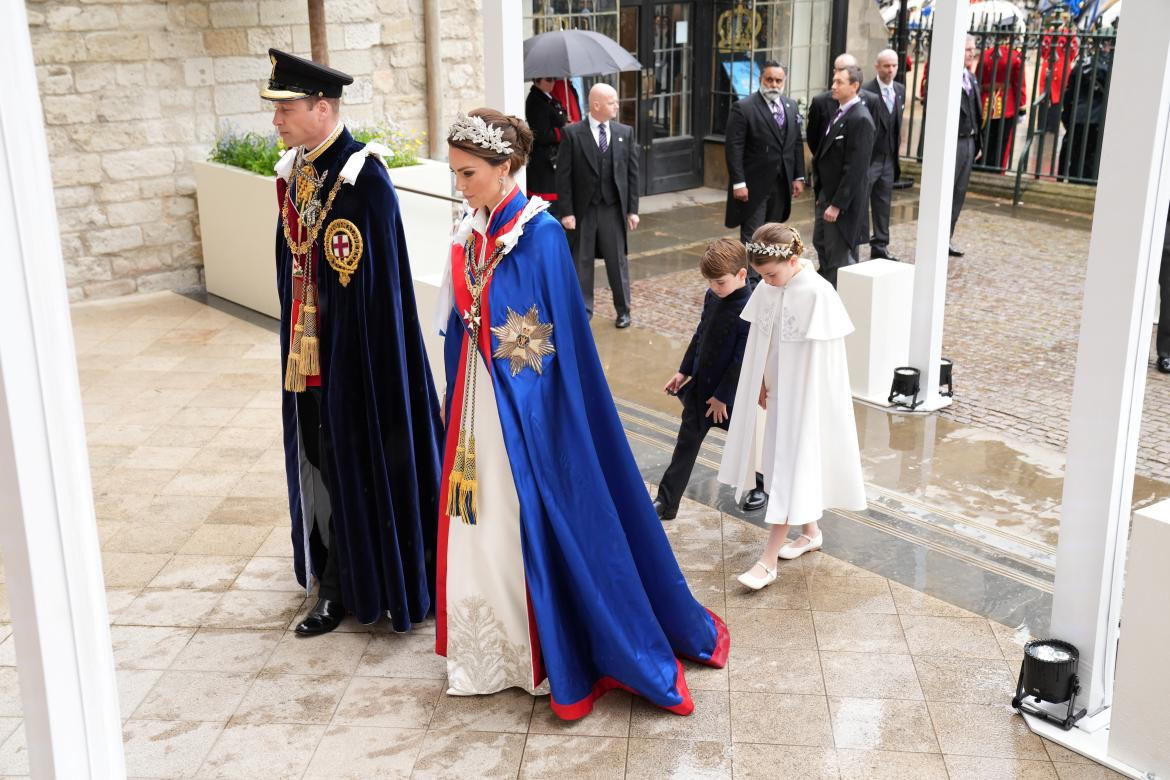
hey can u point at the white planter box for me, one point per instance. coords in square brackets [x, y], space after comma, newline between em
[237, 221]
[238, 218]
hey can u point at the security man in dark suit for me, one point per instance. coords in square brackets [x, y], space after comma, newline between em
[597, 196]
[765, 162]
[822, 108]
[842, 175]
[970, 140]
[546, 118]
[885, 98]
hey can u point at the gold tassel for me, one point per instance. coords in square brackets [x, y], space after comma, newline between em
[453, 482]
[310, 346]
[468, 487]
[310, 362]
[294, 380]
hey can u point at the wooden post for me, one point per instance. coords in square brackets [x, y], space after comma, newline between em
[318, 43]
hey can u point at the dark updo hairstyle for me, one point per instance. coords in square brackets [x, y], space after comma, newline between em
[516, 133]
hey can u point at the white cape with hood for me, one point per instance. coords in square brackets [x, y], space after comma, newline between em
[811, 459]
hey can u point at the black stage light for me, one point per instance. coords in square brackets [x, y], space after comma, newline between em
[944, 378]
[1049, 674]
[905, 386]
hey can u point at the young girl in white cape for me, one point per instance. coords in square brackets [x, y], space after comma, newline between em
[795, 365]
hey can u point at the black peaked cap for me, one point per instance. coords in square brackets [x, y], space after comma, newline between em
[295, 77]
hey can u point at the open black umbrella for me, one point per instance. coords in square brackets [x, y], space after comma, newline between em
[566, 53]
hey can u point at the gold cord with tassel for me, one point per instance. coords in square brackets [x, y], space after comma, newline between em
[310, 362]
[462, 485]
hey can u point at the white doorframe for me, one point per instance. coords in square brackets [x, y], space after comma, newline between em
[934, 206]
[48, 533]
[1129, 218]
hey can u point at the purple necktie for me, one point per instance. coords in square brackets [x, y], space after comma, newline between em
[966, 81]
[840, 113]
[778, 113]
[602, 141]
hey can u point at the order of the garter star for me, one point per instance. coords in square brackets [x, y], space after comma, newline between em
[524, 341]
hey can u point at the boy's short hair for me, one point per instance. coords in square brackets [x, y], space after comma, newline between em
[723, 256]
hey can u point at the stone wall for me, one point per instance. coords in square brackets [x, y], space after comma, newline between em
[133, 92]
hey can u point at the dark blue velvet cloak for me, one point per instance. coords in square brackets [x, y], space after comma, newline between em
[379, 408]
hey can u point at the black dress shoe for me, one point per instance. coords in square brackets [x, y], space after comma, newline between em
[662, 511]
[1163, 364]
[623, 321]
[756, 499]
[954, 252]
[325, 616]
[881, 254]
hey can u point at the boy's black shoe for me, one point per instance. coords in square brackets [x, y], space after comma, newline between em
[325, 616]
[756, 499]
[662, 512]
[1162, 364]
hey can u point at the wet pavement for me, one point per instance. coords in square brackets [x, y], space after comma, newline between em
[990, 466]
[891, 653]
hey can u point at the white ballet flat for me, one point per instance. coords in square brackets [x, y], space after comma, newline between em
[755, 583]
[788, 552]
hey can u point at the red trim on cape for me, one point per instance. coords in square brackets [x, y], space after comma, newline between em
[584, 706]
[551, 197]
[454, 415]
[298, 283]
[718, 657]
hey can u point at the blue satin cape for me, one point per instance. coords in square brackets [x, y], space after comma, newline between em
[611, 606]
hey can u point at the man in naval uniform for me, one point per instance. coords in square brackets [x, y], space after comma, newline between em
[361, 418]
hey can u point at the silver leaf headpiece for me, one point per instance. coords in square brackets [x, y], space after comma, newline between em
[771, 250]
[480, 133]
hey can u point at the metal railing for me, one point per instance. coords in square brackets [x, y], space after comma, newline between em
[1044, 95]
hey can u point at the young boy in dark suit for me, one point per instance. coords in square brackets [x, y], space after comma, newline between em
[707, 378]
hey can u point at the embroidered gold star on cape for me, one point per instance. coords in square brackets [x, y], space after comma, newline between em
[524, 341]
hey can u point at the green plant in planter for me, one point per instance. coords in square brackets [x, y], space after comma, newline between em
[404, 145]
[250, 151]
[259, 153]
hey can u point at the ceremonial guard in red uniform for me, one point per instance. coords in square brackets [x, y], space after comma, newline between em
[1005, 97]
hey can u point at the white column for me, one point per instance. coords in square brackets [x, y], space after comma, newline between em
[1124, 252]
[934, 206]
[503, 56]
[47, 530]
[503, 60]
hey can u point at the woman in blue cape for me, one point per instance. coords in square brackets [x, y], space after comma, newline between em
[554, 573]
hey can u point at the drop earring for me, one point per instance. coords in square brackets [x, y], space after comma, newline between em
[503, 189]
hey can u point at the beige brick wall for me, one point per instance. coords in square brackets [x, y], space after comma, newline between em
[134, 91]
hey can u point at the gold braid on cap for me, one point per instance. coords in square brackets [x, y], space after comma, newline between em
[480, 133]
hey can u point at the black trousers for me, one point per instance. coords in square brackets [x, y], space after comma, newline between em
[691, 432]
[964, 159]
[1000, 132]
[1163, 340]
[881, 192]
[316, 450]
[833, 250]
[601, 232]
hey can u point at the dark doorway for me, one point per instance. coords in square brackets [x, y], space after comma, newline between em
[659, 101]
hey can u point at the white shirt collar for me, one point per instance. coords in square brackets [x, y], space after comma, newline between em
[594, 124]
[849, 104]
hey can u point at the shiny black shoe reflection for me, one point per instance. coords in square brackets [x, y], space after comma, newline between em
[325, 616]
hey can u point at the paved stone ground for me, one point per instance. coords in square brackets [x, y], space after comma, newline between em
[1012, 322]
[834, 672]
